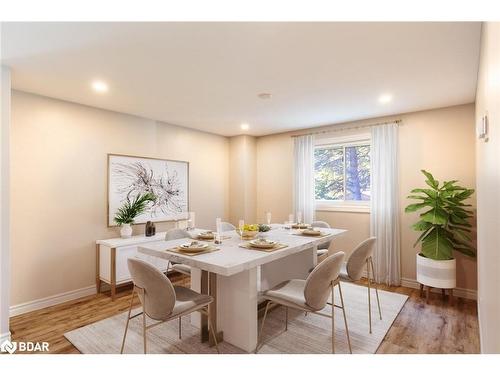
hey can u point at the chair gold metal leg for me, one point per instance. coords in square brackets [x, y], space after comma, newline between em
[333, 321]
[376, 290]
[180, 327]
[144, 321]
[260, 339]
[369, 296]
[128, 320]
[345, 318]
[211, 328]
[286, 318]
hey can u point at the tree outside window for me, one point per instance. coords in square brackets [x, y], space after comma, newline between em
[342, 172]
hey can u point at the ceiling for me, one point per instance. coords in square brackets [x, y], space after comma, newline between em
[207, 75]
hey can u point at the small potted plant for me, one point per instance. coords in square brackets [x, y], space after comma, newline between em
[445, 227]
[130, 210]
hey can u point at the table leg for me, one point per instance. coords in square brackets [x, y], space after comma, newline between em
[113, 273]
[238, 310]
[97, 268]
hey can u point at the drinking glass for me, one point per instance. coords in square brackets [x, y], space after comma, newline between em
[191, 221]
[268, 218]
[218, 229]
[299, 217]
[241, 225]
[290, 218]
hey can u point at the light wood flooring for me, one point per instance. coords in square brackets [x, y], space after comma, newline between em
[436, 327]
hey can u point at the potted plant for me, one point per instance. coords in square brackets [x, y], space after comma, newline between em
[130, 210]
[445, 227]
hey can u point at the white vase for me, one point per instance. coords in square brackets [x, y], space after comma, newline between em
[437, 273]
[126, 231]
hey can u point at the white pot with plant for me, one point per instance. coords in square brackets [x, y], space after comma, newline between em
[445, 228]
[127, 213]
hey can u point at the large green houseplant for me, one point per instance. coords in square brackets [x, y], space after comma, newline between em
[445, 225]
[130, 209]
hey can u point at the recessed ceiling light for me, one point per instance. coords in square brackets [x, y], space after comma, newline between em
[244, 126]
[386, 98]
[265, 95]
[100, 86]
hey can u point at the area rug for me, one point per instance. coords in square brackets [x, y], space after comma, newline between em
[306, 334]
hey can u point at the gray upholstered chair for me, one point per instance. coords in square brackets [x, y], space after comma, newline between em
[323, 248]
[175, 234]
[161, 300]
[310, 295]
[226, 227]
[352, 270]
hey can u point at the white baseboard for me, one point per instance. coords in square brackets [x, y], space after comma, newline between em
[457, 292]
[51, 300]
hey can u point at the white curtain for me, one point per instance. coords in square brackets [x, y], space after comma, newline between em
[384, 218]
[304, 177]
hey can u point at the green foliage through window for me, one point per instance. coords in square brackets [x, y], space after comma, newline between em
[342, 172]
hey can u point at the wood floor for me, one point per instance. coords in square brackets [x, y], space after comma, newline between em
[436, 327]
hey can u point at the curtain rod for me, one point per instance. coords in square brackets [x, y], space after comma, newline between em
[348, 128]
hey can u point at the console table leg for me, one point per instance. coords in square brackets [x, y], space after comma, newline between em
[113, 273]
[204, 320]
[97, 268]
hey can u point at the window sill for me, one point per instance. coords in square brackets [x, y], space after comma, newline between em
[343, 208]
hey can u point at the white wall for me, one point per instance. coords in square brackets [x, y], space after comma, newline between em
[5, 97]
[488, 187]
[58, 185]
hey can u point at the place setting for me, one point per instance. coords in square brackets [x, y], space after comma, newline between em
[210, 236]
[193, 248]
[263, 244]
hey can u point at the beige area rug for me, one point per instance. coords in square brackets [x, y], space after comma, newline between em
[306, 334]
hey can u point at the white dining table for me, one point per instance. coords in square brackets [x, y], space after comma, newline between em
[234, 277]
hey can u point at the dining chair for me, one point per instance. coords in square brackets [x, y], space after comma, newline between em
[352, 271]
[323, 248]
[175, 234]
[162, 301]
[310, 295]
[226, 227]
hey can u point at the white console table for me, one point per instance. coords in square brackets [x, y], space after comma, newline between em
[112, 255]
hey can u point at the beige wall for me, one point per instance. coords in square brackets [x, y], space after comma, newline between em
[242, 186]
[5, 251]
[58, 183]
[441, 141]
[488, 186]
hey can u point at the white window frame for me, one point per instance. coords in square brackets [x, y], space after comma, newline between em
[343, 205]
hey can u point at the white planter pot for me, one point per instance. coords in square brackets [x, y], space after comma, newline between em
[436, 273]
[126, 231]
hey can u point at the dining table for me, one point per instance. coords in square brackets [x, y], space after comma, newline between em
[235, 276]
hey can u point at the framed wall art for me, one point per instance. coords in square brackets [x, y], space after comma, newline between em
[168, 180]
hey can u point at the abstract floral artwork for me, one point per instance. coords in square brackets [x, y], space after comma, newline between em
[168, 180]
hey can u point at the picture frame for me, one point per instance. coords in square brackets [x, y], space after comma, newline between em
[129, 175]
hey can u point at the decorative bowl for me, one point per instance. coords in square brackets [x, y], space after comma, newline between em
[248, 233]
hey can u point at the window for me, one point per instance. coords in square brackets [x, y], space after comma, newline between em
[342, 175]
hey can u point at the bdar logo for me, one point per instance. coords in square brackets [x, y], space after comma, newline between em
[8, 347]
